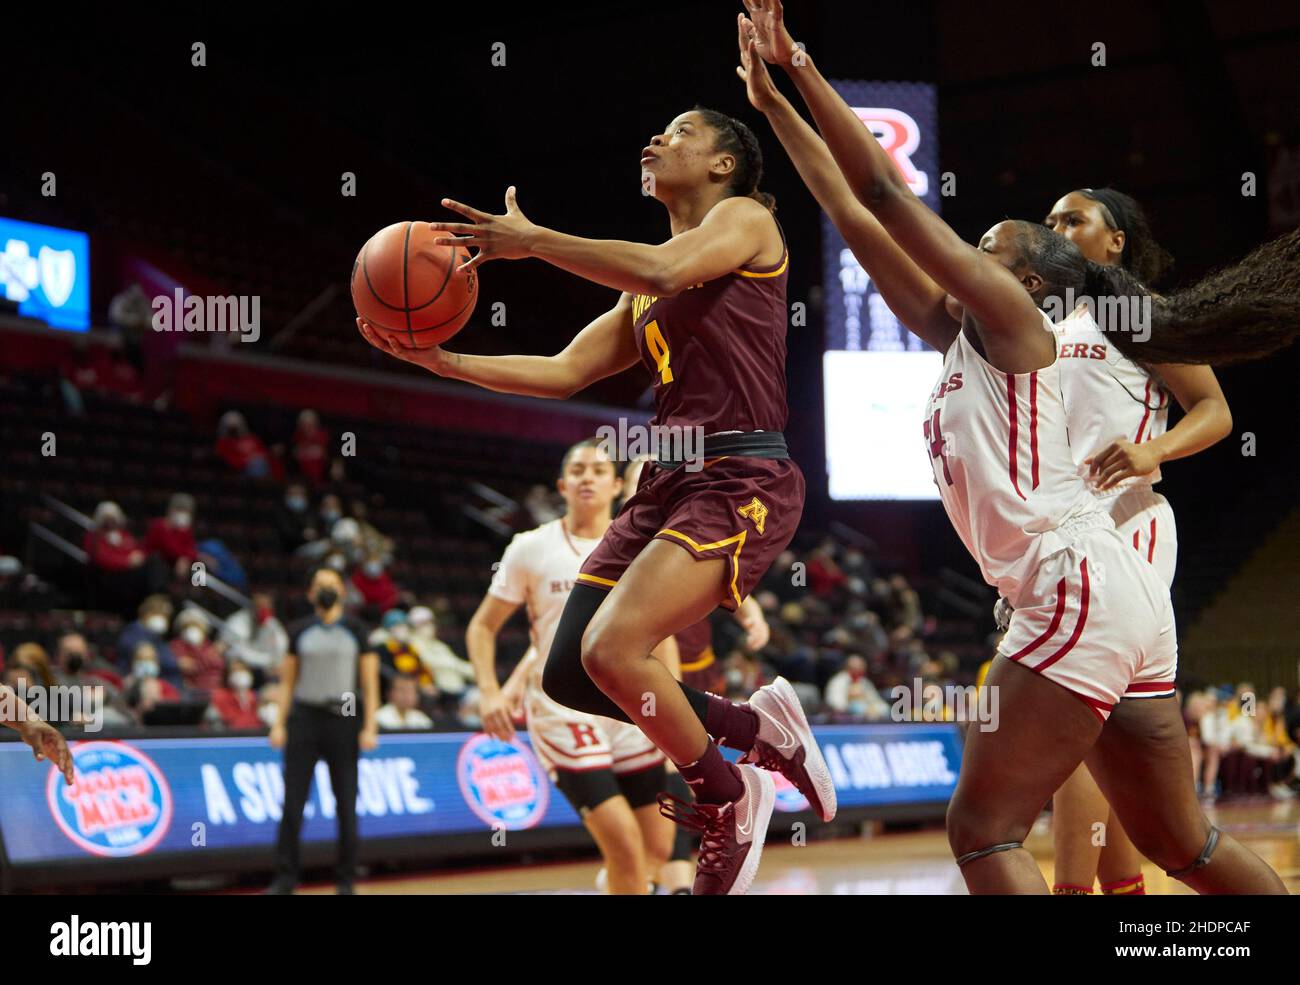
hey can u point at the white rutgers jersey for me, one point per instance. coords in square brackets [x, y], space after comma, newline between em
[1107, 395]
[1002, 461]
[539, 570]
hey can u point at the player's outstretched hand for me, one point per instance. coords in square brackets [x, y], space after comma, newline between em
[432, 358]
[771, 40]
[47, 743]
[497, 237]
[759, 87]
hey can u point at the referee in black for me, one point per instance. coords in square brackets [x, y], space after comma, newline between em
[330, 693]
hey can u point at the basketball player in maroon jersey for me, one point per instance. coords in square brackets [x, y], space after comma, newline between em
[981, 309]
[705, 313]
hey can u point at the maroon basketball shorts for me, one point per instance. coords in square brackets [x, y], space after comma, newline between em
[742, 509]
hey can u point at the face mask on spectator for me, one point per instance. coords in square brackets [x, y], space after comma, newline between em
[74, 661]
[424, 631]
[401, 632]
[241, 680]
[114, 537]
[295, 503]
[336, 561]
[181, 520]
[192, 635]
[264, 615]
[145, 668]
[329, 516]
[155, 624]
[373, 569]
[325, 598]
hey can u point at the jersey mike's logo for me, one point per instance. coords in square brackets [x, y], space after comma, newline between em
[502, 783]
[118, 805]
[900, 136]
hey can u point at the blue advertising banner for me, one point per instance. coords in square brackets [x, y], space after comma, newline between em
[46, 270]
[142, 797]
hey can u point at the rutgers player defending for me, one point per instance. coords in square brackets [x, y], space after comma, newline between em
[609, 771]
[1092, 622]
[1118, 410]
[705, 313]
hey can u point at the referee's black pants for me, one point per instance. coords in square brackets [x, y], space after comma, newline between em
[313, 734]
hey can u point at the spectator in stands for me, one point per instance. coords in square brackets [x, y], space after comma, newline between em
[236, 704]
[76, 663]
[131, 311]
[239, 448]
[202, 663]
[850, 692]
[311, 452]
[451, 674]
[397, 653]
[1274, 749]
[371, 540]
[34, 662]
[330, 511]
[143, 688]
[402, 710]
[256, 637]
[171, 537]
[294, 522]
[119, 570]
[467, 713]
[76, 667]
[373, 582]
[343, 542]
[824, 574]
[906, 604]
[155, 616]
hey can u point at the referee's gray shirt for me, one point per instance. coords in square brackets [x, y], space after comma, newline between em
[329, 657]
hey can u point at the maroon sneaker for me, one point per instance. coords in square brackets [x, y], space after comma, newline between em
[785, 745]
[731, 835]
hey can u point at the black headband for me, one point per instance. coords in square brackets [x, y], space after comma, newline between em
[1117, 208]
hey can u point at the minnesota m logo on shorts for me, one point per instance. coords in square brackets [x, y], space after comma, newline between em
[755, 512]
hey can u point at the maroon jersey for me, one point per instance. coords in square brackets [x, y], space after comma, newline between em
[717, 351]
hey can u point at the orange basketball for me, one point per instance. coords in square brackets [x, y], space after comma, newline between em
[409, 290]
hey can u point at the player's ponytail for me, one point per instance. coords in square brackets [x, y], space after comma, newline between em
[737, 139]
[1244, 311]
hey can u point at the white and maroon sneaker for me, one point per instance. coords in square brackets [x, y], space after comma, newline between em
[731, 835]
[785, 745]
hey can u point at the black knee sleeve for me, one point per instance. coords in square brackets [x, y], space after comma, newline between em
[564, 679]
[1202, 860]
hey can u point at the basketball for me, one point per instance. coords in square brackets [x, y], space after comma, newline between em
[408, 289]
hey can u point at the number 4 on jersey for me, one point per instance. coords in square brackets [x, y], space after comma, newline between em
[934, 437]
[658, 346]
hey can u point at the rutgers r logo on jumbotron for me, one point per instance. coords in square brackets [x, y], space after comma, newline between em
[900, 136]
